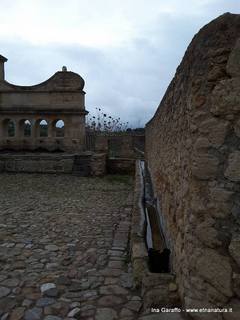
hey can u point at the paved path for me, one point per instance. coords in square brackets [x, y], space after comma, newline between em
[64, 248]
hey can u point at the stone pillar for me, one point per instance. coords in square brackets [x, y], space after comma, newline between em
[50, 129]
[65, 128]
[34, 129]
[17, 129]
[21, 128]
[1, 130]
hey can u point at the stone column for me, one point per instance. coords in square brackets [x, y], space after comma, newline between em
[34, 129]
[50, 129]
[1, 130]
[66, 128]
[17, 129]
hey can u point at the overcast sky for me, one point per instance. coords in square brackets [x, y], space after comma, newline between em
[127, 51]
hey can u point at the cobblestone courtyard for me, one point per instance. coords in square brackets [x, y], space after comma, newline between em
[64, 248]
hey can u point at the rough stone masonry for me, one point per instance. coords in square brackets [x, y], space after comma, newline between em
[193, 154]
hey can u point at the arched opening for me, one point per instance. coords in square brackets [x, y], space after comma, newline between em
[9, 128]
[43, 128]
[59, 128]
[25, 128]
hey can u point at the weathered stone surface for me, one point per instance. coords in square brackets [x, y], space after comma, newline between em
[4, 291]
[33, 314]
[207, 234]
[10, 282]
[74, 313]
[172, 287]
[214, 130]
[152, 279]
[216, 270]
[52, 318]
[126, 313]
[226, 97]
[126, 280]
[156, 297]
[134, 305]
[201, 143]
[234, 249]
[220, 195]
[17, 314]
[43, 302]
[233, 65]
[113, 289]
[49, 289]
[51, 247]
[236, 284]
[233, 170]
[237, 128]
[110, 300]
[205, 166]
[106, 314]
[139, 250]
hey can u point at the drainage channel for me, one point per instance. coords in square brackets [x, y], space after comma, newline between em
[158, 252]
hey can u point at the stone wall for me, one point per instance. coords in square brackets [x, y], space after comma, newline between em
[84, 164]
[193, 154]
[126, 145]
[38, 163]
[121, 149]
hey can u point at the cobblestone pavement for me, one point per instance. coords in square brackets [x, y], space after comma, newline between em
[63, 248]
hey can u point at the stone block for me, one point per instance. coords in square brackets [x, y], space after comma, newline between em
[207, 234]
[236, 284]
[140, 267]
[226, 97]
[139, 250]
[233, 169]
[215, 269]
[215, 130]
[205, 166]
[155, 279]
[221, 203]
[234, 249]
[233, 64]
[237, 128]
[156, 297]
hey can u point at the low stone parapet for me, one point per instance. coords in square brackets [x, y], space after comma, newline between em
[82, 164]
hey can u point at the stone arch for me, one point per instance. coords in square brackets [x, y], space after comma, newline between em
[58, 126]
[41, 126]
[9, 128]
[25, 128]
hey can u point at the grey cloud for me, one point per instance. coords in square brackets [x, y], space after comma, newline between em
[127, 81]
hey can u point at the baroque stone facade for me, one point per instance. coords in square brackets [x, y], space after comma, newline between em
[193, 154]
[31, 116]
